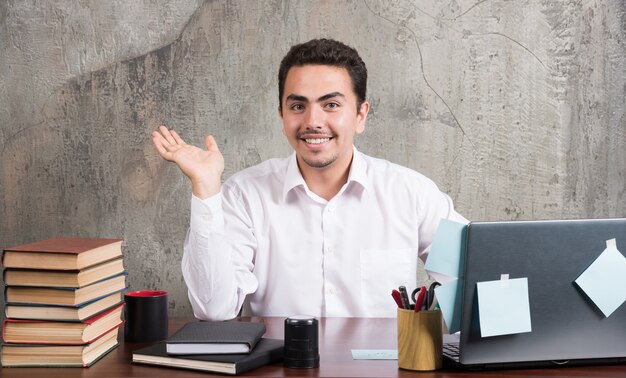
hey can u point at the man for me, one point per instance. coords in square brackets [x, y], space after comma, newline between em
[328, 231]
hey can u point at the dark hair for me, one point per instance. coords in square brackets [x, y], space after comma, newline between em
[325, 52]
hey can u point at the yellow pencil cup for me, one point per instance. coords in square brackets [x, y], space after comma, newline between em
[420, 340]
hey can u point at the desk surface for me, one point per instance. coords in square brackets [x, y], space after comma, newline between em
[338, 336]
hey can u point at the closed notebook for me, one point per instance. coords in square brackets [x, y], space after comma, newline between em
[62, 253]
[63, 313]
[65, 296]
[27, 355]
[65, 333]
[267, 351]
[215, 337]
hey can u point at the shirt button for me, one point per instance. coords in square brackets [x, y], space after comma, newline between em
[206, 217]
[331, 209]
[330, 249]
[332, 291]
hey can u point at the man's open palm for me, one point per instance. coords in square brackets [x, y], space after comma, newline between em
[203, 167]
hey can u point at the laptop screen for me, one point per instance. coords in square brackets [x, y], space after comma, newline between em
[566, 324]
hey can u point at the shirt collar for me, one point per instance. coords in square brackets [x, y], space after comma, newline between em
[293, 176]
[358, 172]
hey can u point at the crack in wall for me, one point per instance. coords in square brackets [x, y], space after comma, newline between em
[419, 50]
[470, 33]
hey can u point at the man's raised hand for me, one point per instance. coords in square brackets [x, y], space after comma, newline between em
[203, 167]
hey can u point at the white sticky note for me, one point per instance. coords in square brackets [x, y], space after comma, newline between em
[604, 281]
[503, 309]
[374, 354]
[449, 298]
[446, 251]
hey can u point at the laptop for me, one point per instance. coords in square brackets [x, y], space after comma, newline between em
[567, 328]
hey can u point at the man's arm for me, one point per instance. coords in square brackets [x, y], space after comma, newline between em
[216, 280]
[217, 262]
[438, 206]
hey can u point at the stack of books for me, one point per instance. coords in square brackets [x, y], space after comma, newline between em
[63, 301]
[222, 347]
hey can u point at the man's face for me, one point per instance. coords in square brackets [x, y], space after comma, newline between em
[319, 115]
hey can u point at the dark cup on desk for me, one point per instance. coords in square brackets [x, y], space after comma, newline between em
[301, 349]
[146, 316]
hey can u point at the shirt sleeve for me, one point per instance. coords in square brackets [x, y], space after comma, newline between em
[217, 258]
[433, 207]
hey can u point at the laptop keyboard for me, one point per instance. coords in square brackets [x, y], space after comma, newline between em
[451, 350]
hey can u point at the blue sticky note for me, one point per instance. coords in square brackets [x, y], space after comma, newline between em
[503, 307]
[446, 251]
[449, 299]
[604, 281]
[374, 354]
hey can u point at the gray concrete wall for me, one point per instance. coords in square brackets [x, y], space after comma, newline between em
[515, 108]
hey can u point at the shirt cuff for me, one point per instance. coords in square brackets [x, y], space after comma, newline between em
[206, 214]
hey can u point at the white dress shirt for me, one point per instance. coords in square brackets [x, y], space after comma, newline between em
[268, 237]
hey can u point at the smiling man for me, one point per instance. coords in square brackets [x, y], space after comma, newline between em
[328, 231]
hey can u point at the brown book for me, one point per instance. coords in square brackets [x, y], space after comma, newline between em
[62, 333]
[16, 355]
[62, 253]
[64, 296]
[63, 278]
[63, 313]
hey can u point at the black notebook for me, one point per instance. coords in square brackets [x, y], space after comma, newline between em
[215, 337]
[267, 351]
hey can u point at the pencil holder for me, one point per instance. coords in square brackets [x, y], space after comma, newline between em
[420, 340]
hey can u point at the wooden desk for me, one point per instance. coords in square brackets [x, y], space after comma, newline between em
[337, 337]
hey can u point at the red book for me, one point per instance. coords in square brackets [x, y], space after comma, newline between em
[22, 355]
[16, 331]
[62, 253]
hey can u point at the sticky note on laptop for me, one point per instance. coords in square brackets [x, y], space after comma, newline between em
[449, 298]
[446, 253]
[445, 264]
[503, 306]
[604, 281]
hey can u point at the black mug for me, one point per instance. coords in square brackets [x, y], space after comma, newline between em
[146, 315]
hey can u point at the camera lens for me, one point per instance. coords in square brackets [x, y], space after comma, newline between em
[301, 342]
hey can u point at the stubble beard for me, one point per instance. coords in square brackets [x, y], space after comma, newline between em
[319, 163]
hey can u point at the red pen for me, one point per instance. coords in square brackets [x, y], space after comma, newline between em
[397, 297]
[419, 301]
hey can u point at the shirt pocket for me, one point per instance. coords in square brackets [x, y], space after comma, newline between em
[383, 270]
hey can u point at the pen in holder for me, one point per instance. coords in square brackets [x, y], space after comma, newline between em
[420, 340]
